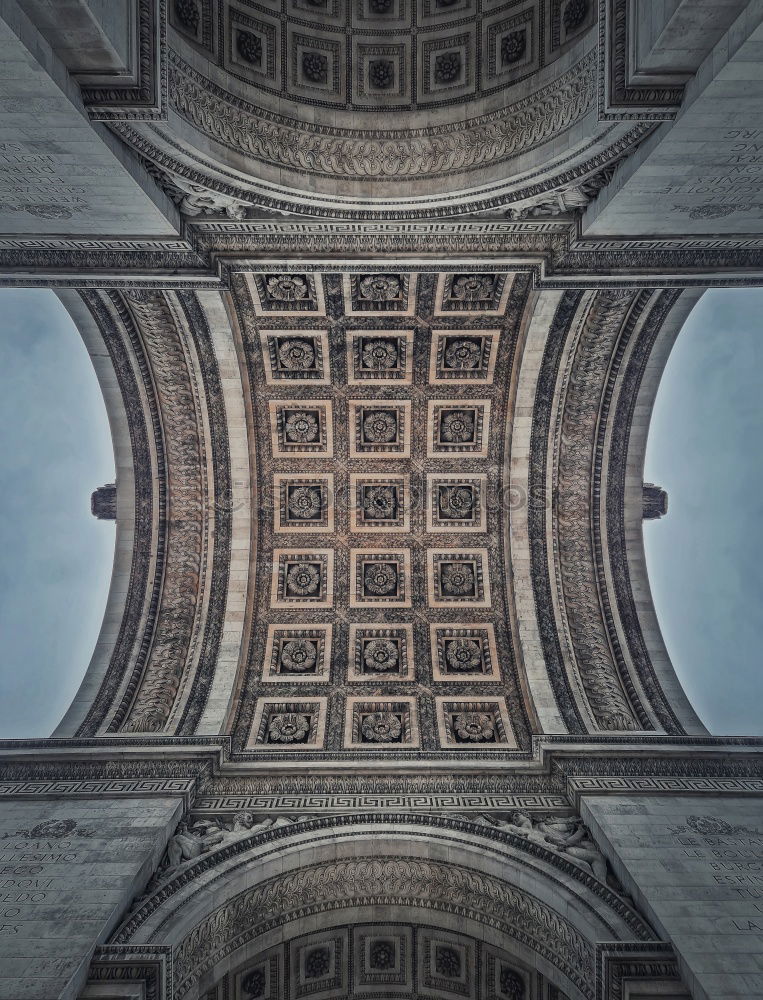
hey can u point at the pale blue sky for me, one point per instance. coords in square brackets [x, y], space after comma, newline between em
[705, 558]
[56, 565]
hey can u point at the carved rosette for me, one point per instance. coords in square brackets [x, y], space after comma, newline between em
[171, 650]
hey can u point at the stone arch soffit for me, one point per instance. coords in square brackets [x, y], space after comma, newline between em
[604, 674]
[215, 910]
[154, 663]
[643, 375]
[125, 424]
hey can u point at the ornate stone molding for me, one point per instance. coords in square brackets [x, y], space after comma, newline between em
[130, 363]
[618, 962]
[428, 152]
[216, 800]
[658, 314]
[180, 170]
[378, 881]
[581, 390]
[184, 571]
[148, 969]
[552, 249]
[142, 94]
[621, 98]
[215, 416]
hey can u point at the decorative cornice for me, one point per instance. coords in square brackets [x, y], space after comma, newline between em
[617, 962]
[145, 967]
[552, 249]
[619, 98]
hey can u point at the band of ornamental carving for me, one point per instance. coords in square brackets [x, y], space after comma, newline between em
[431, 152]
[144, 95]
[618, 98]
[413, 802]
[221, 475]
[589, 644]
[385, 881]
[167, 662]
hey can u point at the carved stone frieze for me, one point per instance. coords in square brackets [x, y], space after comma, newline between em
[167, 661]
[428, 152]
[572, 198]
[581, 393]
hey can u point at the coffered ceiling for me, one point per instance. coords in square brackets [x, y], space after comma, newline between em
[381, 407]
[379, 55]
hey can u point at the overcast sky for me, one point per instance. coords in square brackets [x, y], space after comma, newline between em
[705, 558]
[56, 557]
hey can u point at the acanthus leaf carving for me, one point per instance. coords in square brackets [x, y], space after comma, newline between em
[183, 576]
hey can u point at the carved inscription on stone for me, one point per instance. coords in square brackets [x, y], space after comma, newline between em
[698, 865]
[67, 869]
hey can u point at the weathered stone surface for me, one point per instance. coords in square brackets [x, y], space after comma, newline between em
[695, 866]
[68, 869]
